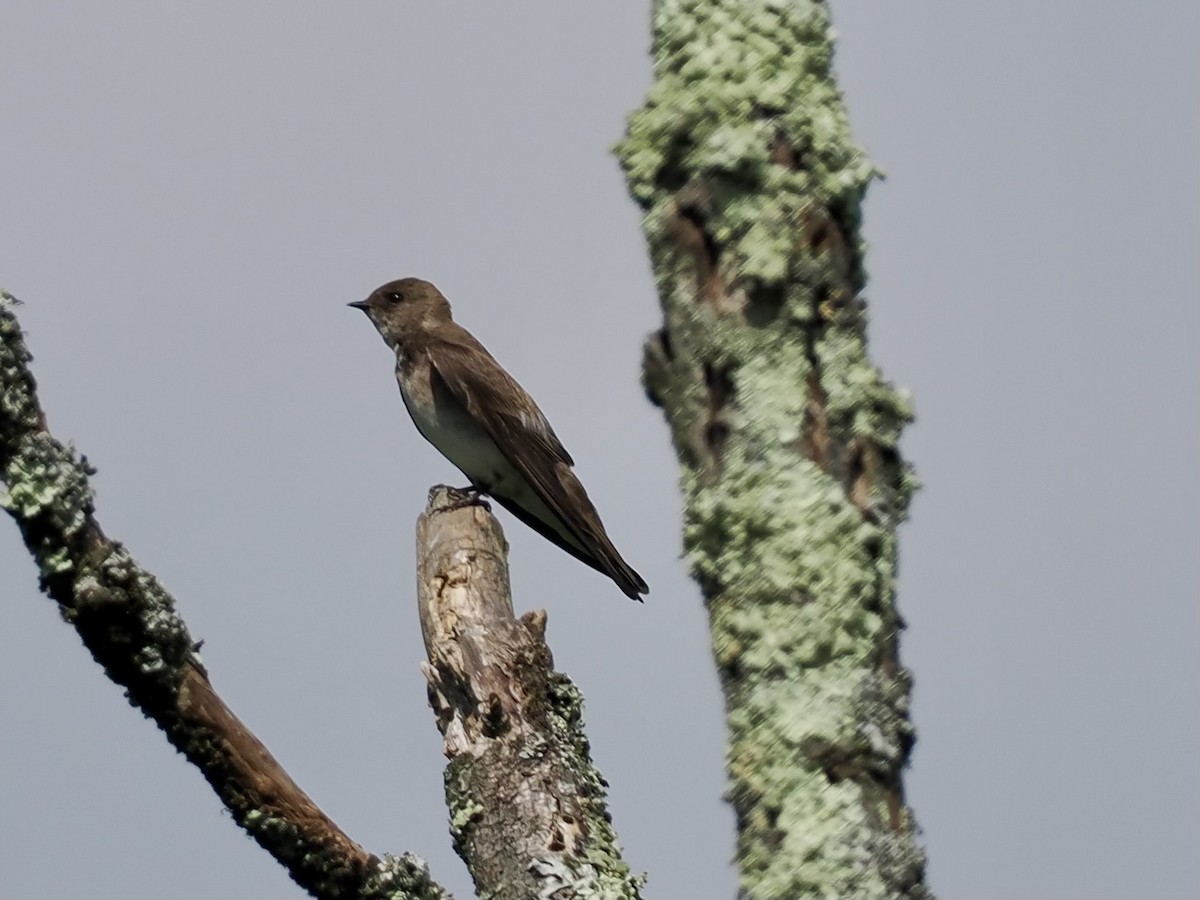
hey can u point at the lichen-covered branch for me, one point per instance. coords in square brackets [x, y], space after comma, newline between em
[527, 807]
[129, 622]
[787, 437]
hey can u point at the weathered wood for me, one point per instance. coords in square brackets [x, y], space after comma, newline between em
[527, 807]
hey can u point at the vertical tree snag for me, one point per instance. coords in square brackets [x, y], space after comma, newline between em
[787, 438]
[527, 807]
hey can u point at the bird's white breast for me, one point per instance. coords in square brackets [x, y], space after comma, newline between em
[457, 436]
[464, 442]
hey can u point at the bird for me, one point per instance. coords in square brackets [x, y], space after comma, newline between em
[477, 416]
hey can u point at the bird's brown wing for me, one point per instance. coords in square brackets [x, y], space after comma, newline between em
[522, 433]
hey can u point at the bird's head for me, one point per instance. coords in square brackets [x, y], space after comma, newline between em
[401, 308]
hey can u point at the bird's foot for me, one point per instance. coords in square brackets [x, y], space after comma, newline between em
[460, 498]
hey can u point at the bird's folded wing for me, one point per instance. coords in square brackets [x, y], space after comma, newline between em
[494, 398]
[511, 418]
[508, 414]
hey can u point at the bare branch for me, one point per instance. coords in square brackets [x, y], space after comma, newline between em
[129, 622]
[527, 806]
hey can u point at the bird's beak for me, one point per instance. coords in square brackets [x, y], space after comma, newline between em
[360, 304]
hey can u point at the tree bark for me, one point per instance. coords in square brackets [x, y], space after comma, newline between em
[786, 435]
[129, 622]
[527, 807]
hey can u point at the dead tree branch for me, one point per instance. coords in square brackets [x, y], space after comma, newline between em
[129, 623]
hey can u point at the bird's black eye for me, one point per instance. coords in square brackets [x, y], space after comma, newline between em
[395, 297]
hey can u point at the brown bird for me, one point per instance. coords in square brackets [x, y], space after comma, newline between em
[480, 419]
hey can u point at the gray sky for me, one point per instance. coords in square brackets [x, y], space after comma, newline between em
[191, 193]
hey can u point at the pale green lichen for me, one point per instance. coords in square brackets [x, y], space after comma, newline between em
[46, 486]
[402, 877]
[17, 405]
[47, 490]
[559, 875]
[128, 621]
[728, 76]
[745, 137]
[607, 872]
[465, 807]
[556, 747]
[44, 479]
[164, 643]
